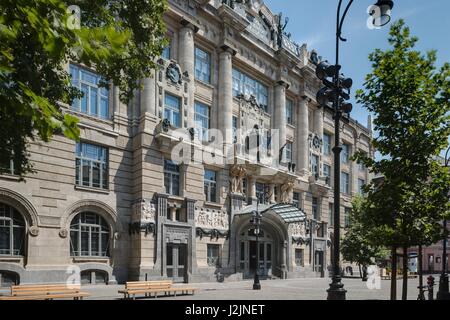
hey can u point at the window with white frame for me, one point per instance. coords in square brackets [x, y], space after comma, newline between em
[210, 185]
[91, 163]
[345, 183]
[171, 178]
[299, 257]
[201, 119]
[326, 144]
[243, 84]
[345, 154]
[202, 65]
[213, 255]
[289, 152]
[89, 236]
[289, 111]
[327, 173]
[172, 110]
[12, 231]
[95, 99]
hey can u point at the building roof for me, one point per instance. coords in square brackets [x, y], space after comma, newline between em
[288, 212]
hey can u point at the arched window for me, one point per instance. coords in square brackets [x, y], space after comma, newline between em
[12, 231]
[89, 236]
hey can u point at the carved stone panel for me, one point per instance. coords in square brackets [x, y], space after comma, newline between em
[211, 219]
[298, 229]
[144, 212]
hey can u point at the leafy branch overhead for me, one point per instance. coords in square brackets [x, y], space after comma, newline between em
[120, 39]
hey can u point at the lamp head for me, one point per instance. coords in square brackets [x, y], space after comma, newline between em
[385, 7]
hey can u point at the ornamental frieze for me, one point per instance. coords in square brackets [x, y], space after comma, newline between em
[143, 212]
[298, 229]
[211, 219]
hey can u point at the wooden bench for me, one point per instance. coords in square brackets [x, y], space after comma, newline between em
[45, 292]
[148, 288]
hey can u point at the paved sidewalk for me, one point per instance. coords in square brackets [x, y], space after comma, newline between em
[292, 289]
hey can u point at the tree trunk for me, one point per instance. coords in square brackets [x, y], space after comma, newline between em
[405, 274]
[394, 273]
[360, 273]
[419, 269]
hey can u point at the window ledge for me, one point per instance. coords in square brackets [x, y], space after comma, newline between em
[176, 198]
[90, 259]
[89, 189]
[205, 84]
[213, 204]
[11, 259]
[10, 177]
[291, 125]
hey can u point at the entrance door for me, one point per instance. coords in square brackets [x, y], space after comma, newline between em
[431, 263]
[253, 255]
[176, 262]
[318, 262]
[265, 258]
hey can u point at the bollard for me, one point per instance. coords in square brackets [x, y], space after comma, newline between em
[430, 283]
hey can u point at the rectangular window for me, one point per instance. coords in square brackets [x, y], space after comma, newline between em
[95, 99]
[289, 111]
[172, 178]
[315, 165]
[296, 199]
[315, 208]
[345, 154]
[361, 166]
[213, 254]
[210, 185]
[331, 214]
[172, 110]
[260, 193]
[235, 128]
[202, 65]
[202, 121]
[327, 173]
[8, 167]
[345, 180]
[361, 184]
[347, 217]
[289, 152]
[243, 84]
[326, 144]
[166, 51]
[299, 254]
[91, 163]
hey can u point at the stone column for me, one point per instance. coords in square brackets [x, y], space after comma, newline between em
[318, 122]
[280, 111]
[225, 114]
[148, 96]
[173, 214]
[161, 210]
[302, 136]
[186, 59]
[252, 190]
[272, 193]
[192, 251]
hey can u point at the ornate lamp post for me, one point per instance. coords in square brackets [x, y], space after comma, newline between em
[256, 221]
[336, 92]
[443, 293]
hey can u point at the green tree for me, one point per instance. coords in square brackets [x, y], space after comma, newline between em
[356, 246]
[410, 99]
[120, 39]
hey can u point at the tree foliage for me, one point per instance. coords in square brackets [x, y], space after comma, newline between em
[38, 38]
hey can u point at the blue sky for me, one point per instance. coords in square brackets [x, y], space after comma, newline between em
[314, 22]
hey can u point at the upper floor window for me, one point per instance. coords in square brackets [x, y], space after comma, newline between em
[89, 235]
[345, 183]
[243, 84]
[202, 120]
[210, 185]
[91, 162]
[172, 178]
[261, 193]
[289, 152]
[95, 99]
[327, 173]
[315, 165]
[235, 128]
[347, 217]
[345, 155]
[361, 165]
[12, 231]
[172, 110]
[202, 65]
[8, 167]
[315, 208]
[326, 144]
[289, 111]
[296, 199]
[166, 53]
[361, 184]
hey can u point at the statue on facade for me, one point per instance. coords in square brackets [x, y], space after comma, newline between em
[144, 212]
[286, 191]
[237, 174]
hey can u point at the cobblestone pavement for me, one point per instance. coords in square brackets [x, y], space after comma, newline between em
[292, 289]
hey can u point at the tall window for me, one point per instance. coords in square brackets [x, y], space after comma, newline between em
[166, 51]
[95, 99]
[210, 183]
[202, 121]
[243, 84]
[315, 208]
[172, 178]
[202, 65]
[213, 254]
[361, 184]
[347, 217]
[289, 111]
[12, 231]
[289, 152]
[260, 193]
[345, 183]
[172, 110]
[91, 162]
[345, 155]
[299, 257]
[315, 165]
[296, 199]
[331, 214]
[235, 128]
[327, 173]
[326, 144]
[89, 235]
[361, 166]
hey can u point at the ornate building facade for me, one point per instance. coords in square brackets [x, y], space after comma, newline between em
[116, 206]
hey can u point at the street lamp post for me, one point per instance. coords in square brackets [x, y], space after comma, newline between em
[256, 221]
[336, 92]
[443, 293]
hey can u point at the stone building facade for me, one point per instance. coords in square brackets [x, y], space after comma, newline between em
[116, 206]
